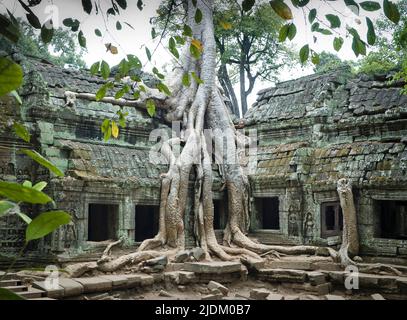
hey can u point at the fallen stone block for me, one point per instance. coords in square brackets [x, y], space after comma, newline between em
[198, 253]
[316, 278]
[283, 275]
[377, 296]
[164, 293]
[52, 290]
[291, 297]
[163, 261]
[118, 281]
[259, 294]
[95, 284]
[275, 296]
[333, 297]
[309, 297]
[212, 297]
[182, 256]
[294, 265]
[71, 287]
[216, 285]
[216, 267]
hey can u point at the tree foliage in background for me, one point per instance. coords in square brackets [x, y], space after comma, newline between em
[249, 48]
[330, 61]
[62, 50]
[389, 53]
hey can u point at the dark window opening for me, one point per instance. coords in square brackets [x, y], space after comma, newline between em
[268, 213]
[147, 219]
[219, 215]
[331, 219]
[102, 222]
[393, 219]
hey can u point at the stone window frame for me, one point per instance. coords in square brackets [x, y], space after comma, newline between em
[280, 194]
[94, 199]
[325, 233]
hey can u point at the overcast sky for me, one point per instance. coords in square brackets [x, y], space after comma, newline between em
[132, 41]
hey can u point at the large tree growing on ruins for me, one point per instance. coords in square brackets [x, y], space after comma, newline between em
[192, 97]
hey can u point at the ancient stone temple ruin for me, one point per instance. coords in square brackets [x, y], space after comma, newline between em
[310, 132]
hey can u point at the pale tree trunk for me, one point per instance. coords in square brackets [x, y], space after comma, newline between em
[350, 237]
[227, 87]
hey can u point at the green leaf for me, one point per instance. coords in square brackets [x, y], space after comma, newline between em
[358, 46]
[153, 33]
[27, 183]
[16, 96]
[300, 3]
[163, 88]
[187, 32]
[194, 51]
[21, 131]
[81, 39]
[24, 217]
[42, 161]
[46, 223]
[105, 125]
[185, 80]
[315, 58]
[158, 74]
[371, 35]
[9, 27]
[338, 42]
[87, 6]
[5, 206]
[72, 23]
[370, 5]
[47, 33]
[122, 4]
[118, 25]
[198, 15]
[148, 53]
[134, 62]
[98, 32]
[172, 47]
[122, 92]
[304, 53]
[333, 20]
[18, 193]
[281, 8]
[391, 11]
[312, 15]
[94, 69]
[282, 36]
[11, 76]
[324, 31]
[196, 78]
[150, 107]
[101, 93]
[40, 185]
[247, 5]
[105, 70]
[292, 31]
[353, 6]
[33, 20]
[6, 294]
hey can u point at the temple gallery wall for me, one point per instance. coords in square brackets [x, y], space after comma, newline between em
[311, 132]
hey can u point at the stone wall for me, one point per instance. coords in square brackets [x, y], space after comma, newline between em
[317, 129]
